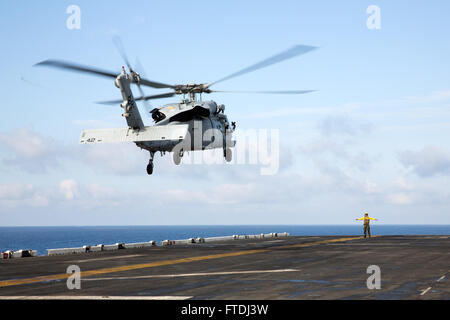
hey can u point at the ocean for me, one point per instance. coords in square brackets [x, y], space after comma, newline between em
[42, 238]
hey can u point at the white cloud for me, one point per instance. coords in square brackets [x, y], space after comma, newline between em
[15, 191]
[30, 151]
[402, 191]
[435, 96]
[400, 198]
[116, 158]
[39, 200]
[68, 188]
[100, 192]
[67, 193]
[429, 161]
[74, 194]
[15, 195]
[372, 188]
[343, 124]
[222, 194]
[332, 152]
[287, 112]
[402, 184]
[26, 143]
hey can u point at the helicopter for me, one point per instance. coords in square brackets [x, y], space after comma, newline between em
[189, 125]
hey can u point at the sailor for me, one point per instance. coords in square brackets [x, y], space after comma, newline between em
[366, 219]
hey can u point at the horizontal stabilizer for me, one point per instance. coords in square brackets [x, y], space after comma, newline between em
[152, 133]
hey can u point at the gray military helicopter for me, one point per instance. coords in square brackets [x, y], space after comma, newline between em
[189, 125]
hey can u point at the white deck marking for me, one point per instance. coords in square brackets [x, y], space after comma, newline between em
[371, 244]
[109, 258]
[95, 297]
[425, 291]
[438, 280]
[441, 278]
[264, 242]
[193, 274]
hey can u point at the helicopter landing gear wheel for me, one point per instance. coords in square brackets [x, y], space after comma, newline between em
[150, 168]
[228, 155]
[177, 157]
[150, 164]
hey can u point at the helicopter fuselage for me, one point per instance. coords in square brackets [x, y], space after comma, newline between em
[208, 126]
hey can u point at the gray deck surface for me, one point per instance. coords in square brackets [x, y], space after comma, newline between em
[331, 267]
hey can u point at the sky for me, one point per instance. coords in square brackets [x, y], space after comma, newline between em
[373, 137]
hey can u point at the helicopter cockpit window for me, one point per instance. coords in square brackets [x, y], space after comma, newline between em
[157, 115]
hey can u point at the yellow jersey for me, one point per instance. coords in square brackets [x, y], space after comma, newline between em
[366, 219]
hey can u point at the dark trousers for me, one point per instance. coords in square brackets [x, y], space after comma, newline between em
[366, 230]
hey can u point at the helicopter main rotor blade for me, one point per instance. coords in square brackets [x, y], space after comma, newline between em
[145, 98]
[119, 46]
[157, 85]
[268, 92]
[76, 67]
[147, 105]
[157, 96]
[288, 54]
[95, 71]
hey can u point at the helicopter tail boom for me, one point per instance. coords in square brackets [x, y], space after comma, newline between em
[171, 133]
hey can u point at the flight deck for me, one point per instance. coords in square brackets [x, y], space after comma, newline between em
[320, 267]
